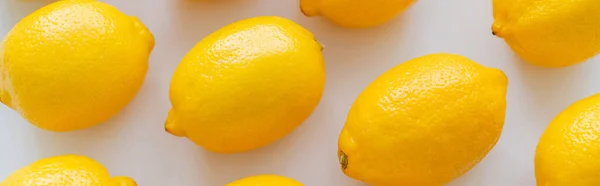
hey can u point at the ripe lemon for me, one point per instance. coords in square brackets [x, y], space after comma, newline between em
[569, 150]
[355, 13]
[425, 122]
[246, 85]
[73, 64]
[265, 180]
[550, 33]
[66, 170]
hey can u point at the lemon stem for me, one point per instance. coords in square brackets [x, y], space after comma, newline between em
[343, 160]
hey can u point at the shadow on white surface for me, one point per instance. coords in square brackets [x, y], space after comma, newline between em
[95, 141]
[546, 86]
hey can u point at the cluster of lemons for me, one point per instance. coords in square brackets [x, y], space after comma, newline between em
[75, 63]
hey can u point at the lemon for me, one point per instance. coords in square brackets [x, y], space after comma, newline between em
[265, 180]
[246, 85]
[65, 170]
[549, 33]
[73, 64]
[355, 13]
[425, 122]
[569, 150]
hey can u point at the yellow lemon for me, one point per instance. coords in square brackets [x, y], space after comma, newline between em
[66, 170]
[246, 85]
[569, 151]
[425, 122]
[550, 33]
[355, 13]
[73, 64]
[265, 180]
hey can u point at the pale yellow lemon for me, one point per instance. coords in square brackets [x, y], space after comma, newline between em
[568, 153]
[73, 64]
[265, 180]
[246, 85]
[355, 13]
[425, 122]
[66, 170]
[549, 33]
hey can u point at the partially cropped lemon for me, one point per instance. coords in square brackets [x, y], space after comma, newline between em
[425, 122]
[66, 170]
[265, 180]
[73, 64]
[550, 33]
[246, 85]
[355, 13]
[569, 149]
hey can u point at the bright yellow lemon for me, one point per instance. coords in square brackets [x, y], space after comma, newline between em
[569, 151]
[425, 122]
[246, 85]
[265, 180]
[73, 64]
[66, 170]
[355, 13]
[549, 33]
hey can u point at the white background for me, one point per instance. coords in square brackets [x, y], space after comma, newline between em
[134, 142]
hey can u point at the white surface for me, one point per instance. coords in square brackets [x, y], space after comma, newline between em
[134, 142]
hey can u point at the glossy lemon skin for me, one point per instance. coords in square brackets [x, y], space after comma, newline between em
[265, 180]
[568, 153]
[246, 85]
[355, 13]
[424, 123]
[73, 64]
[549, 33]
[66, 170]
